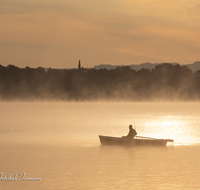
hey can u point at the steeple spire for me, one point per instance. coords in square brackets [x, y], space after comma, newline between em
[79, 64]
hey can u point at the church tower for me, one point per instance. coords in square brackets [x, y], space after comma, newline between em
[79, 64]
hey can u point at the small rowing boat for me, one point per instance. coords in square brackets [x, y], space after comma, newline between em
[137, 141]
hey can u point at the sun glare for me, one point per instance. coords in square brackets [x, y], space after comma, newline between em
[172, 127]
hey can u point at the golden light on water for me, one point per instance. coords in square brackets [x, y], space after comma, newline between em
[58, 142]
[57, 123]
[178, 128]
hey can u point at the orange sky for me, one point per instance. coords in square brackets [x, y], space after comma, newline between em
[56, 33]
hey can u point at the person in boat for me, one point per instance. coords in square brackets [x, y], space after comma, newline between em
[132, 133]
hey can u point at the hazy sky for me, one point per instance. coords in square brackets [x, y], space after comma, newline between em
[57, 33]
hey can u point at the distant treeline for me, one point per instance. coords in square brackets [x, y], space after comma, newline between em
[164, 82]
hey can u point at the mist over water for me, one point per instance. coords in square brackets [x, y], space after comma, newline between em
[58, 141]
[165, 82]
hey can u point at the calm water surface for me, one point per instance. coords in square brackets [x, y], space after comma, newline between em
[58, 142]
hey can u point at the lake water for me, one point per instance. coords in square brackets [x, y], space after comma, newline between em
[58, 143]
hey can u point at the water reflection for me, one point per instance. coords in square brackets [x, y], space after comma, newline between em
[81, 123]
[180, 128]
[102, 168]
[59, 143]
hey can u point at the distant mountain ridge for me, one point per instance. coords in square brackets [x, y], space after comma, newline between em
[194, 67]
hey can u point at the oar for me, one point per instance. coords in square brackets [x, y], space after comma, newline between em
[170, 140]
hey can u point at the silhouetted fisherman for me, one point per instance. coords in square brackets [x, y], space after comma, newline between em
[132, 133]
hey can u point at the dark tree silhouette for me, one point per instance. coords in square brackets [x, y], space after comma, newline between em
[164, 82]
